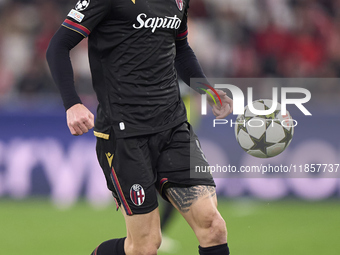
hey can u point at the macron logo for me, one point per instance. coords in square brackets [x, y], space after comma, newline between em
[155, 23]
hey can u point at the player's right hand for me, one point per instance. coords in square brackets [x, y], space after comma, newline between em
[79, 119]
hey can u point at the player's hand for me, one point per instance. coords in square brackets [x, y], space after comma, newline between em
[79, 119]
[220, 111]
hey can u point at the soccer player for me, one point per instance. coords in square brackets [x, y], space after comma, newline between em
[143, 138]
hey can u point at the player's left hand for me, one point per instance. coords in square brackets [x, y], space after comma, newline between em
[221, 111]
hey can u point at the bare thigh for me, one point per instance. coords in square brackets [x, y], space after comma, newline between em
[198, 205]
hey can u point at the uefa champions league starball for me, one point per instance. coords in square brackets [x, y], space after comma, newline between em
[82, 5]
[264, 136]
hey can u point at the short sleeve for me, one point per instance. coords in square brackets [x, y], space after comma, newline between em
[86, 15]
[182, 32]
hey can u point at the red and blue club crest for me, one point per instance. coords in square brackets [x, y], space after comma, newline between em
[137, 194]
[179, 4]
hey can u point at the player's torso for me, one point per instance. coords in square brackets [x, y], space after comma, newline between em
[137, 38]
[142, 18]
[132, 54]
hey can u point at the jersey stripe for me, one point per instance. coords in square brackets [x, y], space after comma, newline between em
[95, 252]
[120, 192]
[182, 36]
[76, 27]
[162, 183]
[117, 203]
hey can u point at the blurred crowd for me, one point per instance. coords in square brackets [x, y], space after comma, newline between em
[231, 38]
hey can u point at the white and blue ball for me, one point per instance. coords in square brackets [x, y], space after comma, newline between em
[264, 136]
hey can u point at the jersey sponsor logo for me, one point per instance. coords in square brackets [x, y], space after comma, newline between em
[157, 22]
[137, 194]
[82, 5]
[179, 4]
[76, 15]
[134, 1]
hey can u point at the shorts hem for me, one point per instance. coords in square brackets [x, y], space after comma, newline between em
[145, 211]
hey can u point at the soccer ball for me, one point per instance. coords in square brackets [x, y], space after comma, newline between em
[82, 5]
[264, 136]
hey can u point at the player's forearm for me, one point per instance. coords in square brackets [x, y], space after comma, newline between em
[186, 63]
[58, 58]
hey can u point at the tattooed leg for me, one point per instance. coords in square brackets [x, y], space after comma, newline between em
[198, 205]
[184, 197]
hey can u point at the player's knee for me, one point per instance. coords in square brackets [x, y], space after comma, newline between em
[215, 226]
[219, 229]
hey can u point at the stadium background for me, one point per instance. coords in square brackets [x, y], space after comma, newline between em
[53, 198]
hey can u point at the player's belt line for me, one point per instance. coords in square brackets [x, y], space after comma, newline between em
[120, 192]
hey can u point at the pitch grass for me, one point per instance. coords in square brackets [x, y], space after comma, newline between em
[255, 228]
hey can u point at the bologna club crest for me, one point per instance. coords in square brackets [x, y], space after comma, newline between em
[179, 4]
[137, 194]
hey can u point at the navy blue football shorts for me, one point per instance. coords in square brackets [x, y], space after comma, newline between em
[136, 168]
